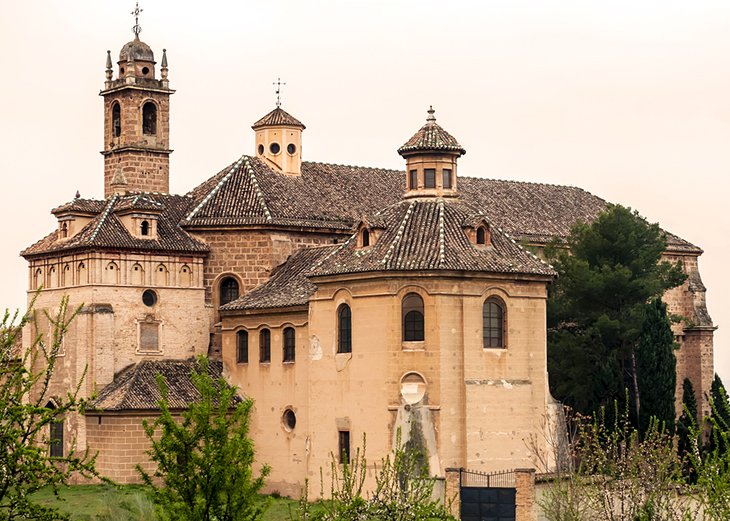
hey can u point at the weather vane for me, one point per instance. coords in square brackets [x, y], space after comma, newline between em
[136, 29]
[278, 84]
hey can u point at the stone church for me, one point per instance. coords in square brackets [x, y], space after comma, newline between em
[344, 300]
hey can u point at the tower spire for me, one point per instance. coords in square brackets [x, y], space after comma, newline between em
[136, 29]
[278, 84]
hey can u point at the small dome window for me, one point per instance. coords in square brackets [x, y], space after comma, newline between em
[482, 236]
[145, 228]
[289, 420]
[365, 238]
[274, 148]
[291, 148]
[261, 150]
[149, 119]
[145, 70]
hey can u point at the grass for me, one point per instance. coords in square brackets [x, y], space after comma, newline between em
[130, 503]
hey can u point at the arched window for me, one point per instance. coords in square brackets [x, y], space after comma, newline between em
[145, 228]
[265, 346]
[289, 345]
[149, 118]
[365, 238]
[493, 319]
[481, 235]
[116, 120]
[64, 230]
[242, 347]
[413, 325]
[344, 329]
[228, 291]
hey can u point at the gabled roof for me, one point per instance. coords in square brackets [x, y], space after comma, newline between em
[426, 235]
[288, 286]
[278, 117]
[106, 231]
[431, 138]
[135, 387]
[337, 197]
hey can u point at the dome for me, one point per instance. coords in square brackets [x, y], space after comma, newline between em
[136, 50]
[431, 138]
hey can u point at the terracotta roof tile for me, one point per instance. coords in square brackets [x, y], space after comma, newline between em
[431, 137]
[278, 117]
[135, 387]
[428, 234]
[92, 206]
[288, 285]
[105, 231]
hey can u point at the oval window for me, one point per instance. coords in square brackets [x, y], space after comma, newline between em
[289, 420]
[149, 298]
[291, 148]
[274, 148]
[261, 150]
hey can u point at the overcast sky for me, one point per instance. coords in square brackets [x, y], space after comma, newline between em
[629, 100]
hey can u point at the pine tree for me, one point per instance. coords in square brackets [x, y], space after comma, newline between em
[608, 272]
[656, 368]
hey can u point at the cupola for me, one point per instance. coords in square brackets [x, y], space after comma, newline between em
[431, 156]
[279, 141]
[139, 214]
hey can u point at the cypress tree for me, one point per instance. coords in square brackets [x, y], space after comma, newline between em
[687, 420]
[720, 416]
[656, 367]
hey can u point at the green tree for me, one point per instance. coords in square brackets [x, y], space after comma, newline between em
[609, 270]
[720, 416]
[204, 460]
[687, 426]
[656, 367]
[28, 414]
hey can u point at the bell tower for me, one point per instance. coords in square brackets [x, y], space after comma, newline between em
[136, 120]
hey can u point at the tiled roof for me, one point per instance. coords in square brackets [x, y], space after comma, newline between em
[288, 285]
[135, 387]
[328, 196]
[89, 206]
[324, 196]
[277, 117]
[428, 234]
[106, 231]
[431, 137]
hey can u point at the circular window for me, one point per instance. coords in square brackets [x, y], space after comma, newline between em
[261, 150]
[289, 419]
[291, 148]
[145, 70]
[149, 298]
[274, 148]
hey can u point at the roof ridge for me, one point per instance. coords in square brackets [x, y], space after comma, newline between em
[394, 170]
[102, 217]
[330, 254]
[507, 235]
[399, 233]
[215, 189]
[259, 193]
[442, 241]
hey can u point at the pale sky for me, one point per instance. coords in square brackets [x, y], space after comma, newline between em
[629, 100]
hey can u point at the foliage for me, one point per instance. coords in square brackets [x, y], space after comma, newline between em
[686, 427]
[720, 415]
[618, 475]
[609, 270]
[403, 491]
[204, 461]
[27, 413]
[656, 367]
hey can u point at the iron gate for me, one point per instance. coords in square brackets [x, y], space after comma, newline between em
[487, 497]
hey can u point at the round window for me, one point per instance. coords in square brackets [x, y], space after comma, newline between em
[261, 150]
[412, 388]
[145, 70]
[291, 148]
[274, 148]
[289, 420]
[149, 298]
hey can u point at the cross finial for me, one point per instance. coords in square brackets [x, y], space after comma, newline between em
[136, 29]
[278, 84]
